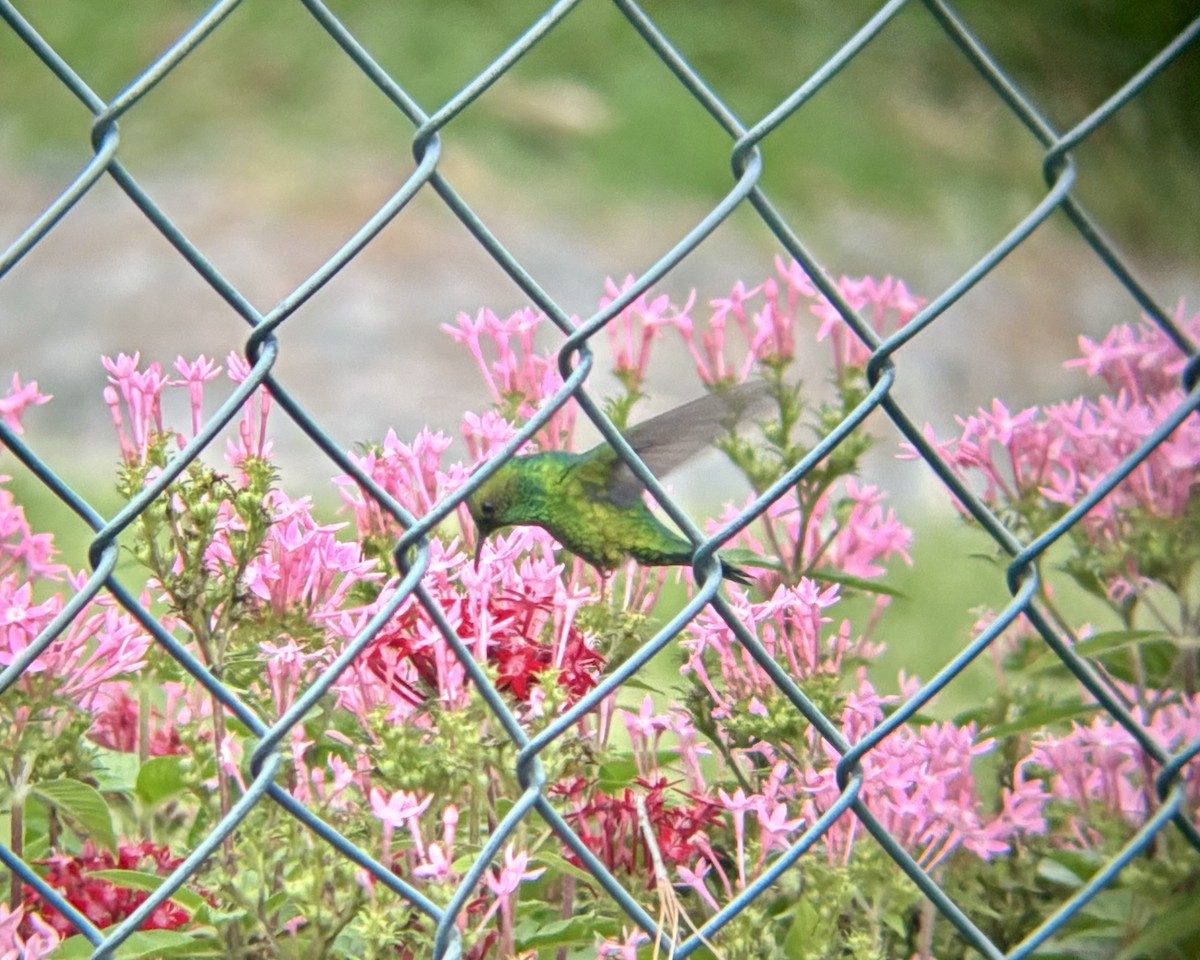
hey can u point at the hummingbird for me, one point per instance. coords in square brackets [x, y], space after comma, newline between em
[593, 504]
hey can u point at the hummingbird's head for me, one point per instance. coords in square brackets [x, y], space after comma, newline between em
[489, 507]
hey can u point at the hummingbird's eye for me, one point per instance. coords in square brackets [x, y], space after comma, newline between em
[487, 509]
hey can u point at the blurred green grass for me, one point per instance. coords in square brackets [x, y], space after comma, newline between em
[591, 117]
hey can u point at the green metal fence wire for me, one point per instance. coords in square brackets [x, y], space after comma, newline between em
[262, 348]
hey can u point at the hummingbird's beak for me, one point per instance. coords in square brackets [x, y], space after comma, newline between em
[480, 536]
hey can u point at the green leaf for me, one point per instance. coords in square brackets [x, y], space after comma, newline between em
[1170, 929]
[1087, 580]
[1113, 907]
[556, 863]
[751, 558]
[1097, 944]
[633, 683]
[1100, 643]
[977, 715]
[1059, 874]
[559, 932]
[1097, 647]
[83, 804]
[149, 882]
[857, 583]
[896, 923]
[1153, 660]
[617, 774]
[1037, 717]
[160, 778]
[145, 943]
[1117, 649]
[116, 771]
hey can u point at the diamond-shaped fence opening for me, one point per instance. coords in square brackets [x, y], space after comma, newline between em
[284, 742]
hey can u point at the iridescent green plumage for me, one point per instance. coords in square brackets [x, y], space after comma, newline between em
[592, 502]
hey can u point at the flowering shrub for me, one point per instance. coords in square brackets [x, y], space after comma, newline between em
[118, 764]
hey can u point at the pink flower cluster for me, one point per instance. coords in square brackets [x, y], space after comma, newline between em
[1059, 453]
[518, 375]
[412, 474]
[918, 781]
[18, 398]
[101, 643]
[25, 936]
[135, 399]
[1099, 766]
[847, 530]
[766, 319]
[302, 566]
[919, 784]
[632, 331]
[1036, 464]
[23, 553]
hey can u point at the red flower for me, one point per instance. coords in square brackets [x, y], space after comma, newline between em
[609, 826]
[101, 901]
[520, 648]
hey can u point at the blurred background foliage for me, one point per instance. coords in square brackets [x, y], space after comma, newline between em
[910, 126]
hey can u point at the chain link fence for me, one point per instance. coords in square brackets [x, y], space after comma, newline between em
[268, 336]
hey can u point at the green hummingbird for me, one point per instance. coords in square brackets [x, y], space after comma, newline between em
[592, 502]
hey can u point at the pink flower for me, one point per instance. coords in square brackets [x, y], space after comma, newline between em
[505, 881]
[738, 805]
[25, 936]
[101, 644]
[1040, 462]
[503, 884]
[485, 435]
[289, 669]
[28, 554]
[18, 399]
[399, 808]
[775, 826]
[410, 473]
[791, 625]
[885, 305]
[336, 795]
[1143, 362]
[139, 394]
[1100, 765]
[632, 331]
[195, 375]
[629, 947]
[516, 374]
[252, 439]
[439, 857]
[229, 759]
[645, 728]
[302, 566]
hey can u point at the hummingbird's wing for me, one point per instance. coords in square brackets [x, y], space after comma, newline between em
[670, 439]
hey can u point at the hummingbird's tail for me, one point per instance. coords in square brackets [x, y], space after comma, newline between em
[735, 573]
